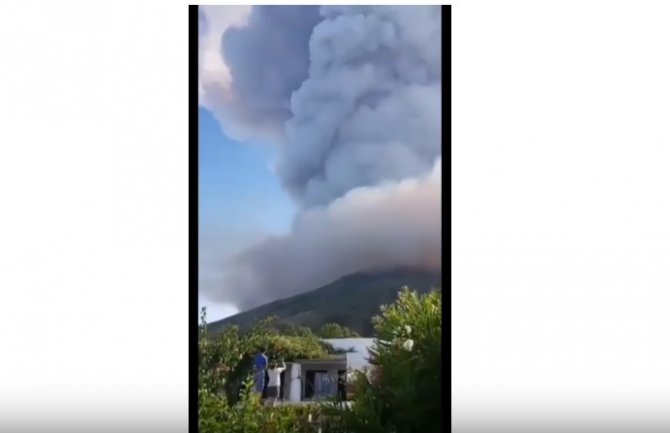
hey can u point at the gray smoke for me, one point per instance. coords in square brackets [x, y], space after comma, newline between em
[370, 110]
[396, 224]
[352, 97]
[268, 59]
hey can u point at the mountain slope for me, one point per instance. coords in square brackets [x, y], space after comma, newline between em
[350, 301]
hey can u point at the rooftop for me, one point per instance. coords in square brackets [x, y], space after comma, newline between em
[357, 359]
[330, 358]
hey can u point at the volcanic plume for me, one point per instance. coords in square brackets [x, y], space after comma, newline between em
[351, 95]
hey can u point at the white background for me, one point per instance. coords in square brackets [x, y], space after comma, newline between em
[94, 215]
[560, 211]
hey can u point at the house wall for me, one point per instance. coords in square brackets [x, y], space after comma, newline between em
[293, 384]
[331, 368]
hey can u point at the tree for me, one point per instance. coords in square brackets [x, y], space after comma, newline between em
[334, 330]
[224, 365]
[403, 391]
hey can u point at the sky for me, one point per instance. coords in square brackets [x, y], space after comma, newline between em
[240, 201]
[320, 147]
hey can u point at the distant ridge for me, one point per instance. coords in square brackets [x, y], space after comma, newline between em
[350, 301]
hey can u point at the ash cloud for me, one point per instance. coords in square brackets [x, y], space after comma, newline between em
[397, 224]
[370, 110]
[351, 95]
[267, 58]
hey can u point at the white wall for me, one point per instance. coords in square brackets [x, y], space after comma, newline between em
[293, 386]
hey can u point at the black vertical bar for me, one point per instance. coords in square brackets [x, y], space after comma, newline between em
[193, 215]
[446, 188]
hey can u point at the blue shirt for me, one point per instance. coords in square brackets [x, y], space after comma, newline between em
[260, 361]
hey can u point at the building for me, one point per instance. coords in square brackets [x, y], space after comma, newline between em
[316, 379]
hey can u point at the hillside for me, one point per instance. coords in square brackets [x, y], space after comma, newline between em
[350, 301]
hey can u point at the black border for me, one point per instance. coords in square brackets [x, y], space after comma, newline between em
[193, 216]
[446, 201]
[193, 313]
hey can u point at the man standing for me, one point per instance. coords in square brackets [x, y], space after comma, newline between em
[260, 365]
[274, 385]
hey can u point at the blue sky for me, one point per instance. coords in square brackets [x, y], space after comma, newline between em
[237, 188]
[240, 200]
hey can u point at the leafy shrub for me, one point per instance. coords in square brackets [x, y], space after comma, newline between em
[334, 330]
[249, 415]
[225, 366]
[402, 393]
[226, 359]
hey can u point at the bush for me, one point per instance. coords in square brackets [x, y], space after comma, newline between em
[249, 415]
[334, 330]
[225, 359]
[403, 391]
[225, 366]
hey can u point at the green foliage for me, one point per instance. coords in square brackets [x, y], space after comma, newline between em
[227, 357]
[249, 415]
[403, 391]
[400, 394]
[334, 330]
[292, 330]
[225, 366]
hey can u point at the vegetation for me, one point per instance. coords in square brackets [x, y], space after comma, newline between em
[400, 394]
[249, 415]
[225, 401]
[403, 392]
[226, 358]
[333, 330]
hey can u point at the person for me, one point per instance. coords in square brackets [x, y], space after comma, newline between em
[265, 385]
[342, 386]
[260, 365]
[274, 384]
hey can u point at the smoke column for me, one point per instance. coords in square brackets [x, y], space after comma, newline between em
[351, 95]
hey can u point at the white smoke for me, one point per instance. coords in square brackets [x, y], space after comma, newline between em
[213, 73]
